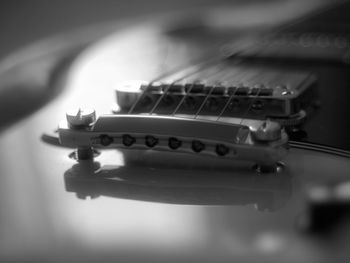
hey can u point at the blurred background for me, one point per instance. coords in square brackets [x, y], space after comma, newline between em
[22, 22]
[42, 220]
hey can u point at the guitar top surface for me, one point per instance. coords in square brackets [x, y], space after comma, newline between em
[191, 79]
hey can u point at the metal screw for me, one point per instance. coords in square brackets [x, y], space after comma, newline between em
[221, 149]
[197, 146]
[174, 143]
[106, 140]
[287, 92]
[151, 141]
[81, 118]
[268, 131]
[84, 153]
[128, 140]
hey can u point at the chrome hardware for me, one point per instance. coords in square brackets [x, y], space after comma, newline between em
[82, 119]
[261, 142]
[79, 118]
[268, 131]
[287, 92]
[282, 100]
[128, 92]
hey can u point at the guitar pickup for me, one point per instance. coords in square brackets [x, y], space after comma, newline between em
[284, 97]
[261, 142]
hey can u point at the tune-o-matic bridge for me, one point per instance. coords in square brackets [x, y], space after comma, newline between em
[262, 142]
[240, 118]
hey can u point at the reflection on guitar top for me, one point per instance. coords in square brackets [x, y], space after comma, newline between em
[178, 186]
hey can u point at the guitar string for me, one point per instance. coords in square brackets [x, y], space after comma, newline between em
[165, 93]
[237, 73]
[252, 45]
[175, 71]
[187, 94]
[183, 99]
[267, 81]
[241, 80]
[231, 96]
[280, 30]
[250, 79]
[236, 78]
[207, 96]
[204, 101]
[253, 98]
[169, 85]
[251, 104]
[215, 83]
[145, 90]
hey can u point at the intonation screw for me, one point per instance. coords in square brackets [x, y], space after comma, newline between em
[128, 140]
[221, 149]
[197, 146]
[174, 143]
[81, 118]
[151, 141]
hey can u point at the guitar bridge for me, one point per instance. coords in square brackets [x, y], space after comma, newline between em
[261, 142]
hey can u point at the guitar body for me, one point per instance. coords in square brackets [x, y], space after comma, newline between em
[134, 205]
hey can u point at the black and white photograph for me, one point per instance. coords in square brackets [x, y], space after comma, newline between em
[170, 131]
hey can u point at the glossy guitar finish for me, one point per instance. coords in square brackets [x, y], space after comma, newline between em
[166, 207]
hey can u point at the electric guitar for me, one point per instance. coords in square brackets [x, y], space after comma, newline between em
[175, 141]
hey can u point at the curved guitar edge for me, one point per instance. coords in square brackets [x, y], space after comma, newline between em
[37, 71]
